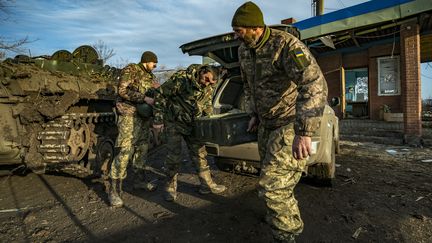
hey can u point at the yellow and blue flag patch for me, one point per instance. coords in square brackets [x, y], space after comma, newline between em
[299, 58]
[299, 53]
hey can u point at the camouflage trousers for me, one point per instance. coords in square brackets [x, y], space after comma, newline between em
[132, 144]
[197, 151]
[280, 173]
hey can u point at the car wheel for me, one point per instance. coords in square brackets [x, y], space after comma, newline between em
[323, 173]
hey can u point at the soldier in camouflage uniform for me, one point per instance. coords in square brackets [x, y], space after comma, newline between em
[185, 96]
[136, 88]
[285, 94]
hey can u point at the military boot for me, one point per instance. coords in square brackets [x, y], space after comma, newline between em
[114, 194]
[140, 181]
[208, 185]
[171, 188]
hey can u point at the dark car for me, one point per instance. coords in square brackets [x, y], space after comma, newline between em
[229, 98]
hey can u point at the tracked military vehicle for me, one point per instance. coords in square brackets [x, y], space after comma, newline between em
[58, 111]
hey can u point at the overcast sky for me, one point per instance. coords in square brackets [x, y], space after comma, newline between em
[131, 27]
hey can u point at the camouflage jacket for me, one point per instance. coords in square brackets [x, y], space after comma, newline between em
[181, 99]
[283, 82]
[135, 84]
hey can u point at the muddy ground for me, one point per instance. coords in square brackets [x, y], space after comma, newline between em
[377, 196]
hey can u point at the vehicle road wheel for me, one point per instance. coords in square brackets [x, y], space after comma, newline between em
[78, 141]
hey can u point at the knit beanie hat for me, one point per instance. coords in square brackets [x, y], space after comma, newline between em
[149, 56]
[248, 15]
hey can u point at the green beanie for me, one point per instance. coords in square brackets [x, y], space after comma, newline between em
[248, 15]
[149, 56]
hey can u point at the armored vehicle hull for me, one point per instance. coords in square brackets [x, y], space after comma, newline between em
[58, 111]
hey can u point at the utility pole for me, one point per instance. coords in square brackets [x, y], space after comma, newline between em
[317, 7]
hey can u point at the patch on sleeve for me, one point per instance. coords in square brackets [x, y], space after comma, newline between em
[299, 58]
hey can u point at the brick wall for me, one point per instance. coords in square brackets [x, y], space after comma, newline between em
[411, 86]
[375, 101]
[330, 65]
[355, 60]
[362, 59]
[409, 102]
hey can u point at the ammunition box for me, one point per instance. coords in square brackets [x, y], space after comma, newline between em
[224, 129]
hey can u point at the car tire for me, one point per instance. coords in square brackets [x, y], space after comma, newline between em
[323, 173]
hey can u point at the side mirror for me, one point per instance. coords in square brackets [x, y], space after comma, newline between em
[335, 101]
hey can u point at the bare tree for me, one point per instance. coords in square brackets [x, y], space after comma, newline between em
[103, 50]
[9, 44]
[120, 63]
[13, 45]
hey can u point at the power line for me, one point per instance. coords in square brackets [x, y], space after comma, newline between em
[341, 3]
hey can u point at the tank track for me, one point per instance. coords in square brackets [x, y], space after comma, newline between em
[68, 138]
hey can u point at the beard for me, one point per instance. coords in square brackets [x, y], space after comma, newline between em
[250, 41]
